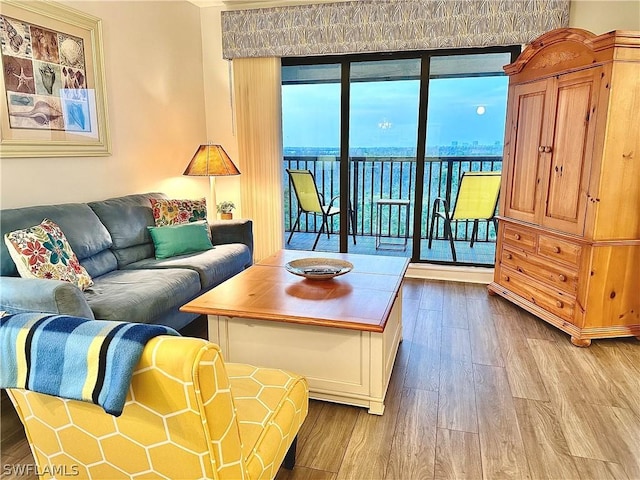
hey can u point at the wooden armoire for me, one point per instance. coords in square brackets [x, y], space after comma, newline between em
[568, 246]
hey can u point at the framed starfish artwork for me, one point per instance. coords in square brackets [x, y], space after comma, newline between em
[52, 92]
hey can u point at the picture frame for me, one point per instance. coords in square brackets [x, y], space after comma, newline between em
[52, 85]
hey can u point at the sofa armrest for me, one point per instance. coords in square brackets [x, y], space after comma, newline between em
[39, 295]
[233, 231]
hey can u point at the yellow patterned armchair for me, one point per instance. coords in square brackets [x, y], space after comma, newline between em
[188, 415]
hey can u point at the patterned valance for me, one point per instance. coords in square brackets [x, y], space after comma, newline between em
[387, 25]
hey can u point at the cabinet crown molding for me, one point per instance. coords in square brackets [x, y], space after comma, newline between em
[564, 48]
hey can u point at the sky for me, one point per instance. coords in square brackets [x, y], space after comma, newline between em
[385, 114]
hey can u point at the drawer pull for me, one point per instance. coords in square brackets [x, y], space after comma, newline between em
[517, 236]
[562, 278]
[508, 256]
[541, 149]
[506, 278]
[547, 149]
[556, 249]
[559, 304]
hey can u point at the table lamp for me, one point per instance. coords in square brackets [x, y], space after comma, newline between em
[211, 161]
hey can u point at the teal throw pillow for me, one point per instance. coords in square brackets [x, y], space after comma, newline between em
[180, 239]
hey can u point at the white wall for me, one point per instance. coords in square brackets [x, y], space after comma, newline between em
[218, 101]
[153, 62]
[602, 16]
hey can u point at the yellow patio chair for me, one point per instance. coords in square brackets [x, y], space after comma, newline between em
[188, 415]
[477, 200]
[310, 201]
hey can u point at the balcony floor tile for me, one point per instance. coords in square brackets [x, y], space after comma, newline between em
[482, 253]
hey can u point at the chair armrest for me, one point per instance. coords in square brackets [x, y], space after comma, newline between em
[331, 202]
[445, 208]
[40, 295]
[232, 231]
[440, 200]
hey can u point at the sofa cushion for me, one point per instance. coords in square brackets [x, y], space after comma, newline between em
[271, 406]
[141, 295]
[100, 263]
[214, 266]
[42, 251]
[83, 229]
[180, 239]
[127, 219]
[173, 212]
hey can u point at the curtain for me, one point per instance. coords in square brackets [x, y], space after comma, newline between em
[259, 131]
[383, 25]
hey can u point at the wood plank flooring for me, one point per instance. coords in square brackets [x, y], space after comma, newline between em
[483, 390]
[480, 390]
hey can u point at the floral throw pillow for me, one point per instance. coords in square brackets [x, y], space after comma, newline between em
[43, 251]
[175, 212]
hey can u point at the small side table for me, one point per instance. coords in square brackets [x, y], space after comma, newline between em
[390, 203]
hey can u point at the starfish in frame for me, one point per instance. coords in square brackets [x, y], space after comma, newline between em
[22, 79]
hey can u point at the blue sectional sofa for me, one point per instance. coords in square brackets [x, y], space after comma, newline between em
[111, 240]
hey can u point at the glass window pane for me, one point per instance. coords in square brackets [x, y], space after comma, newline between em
[466, 116]
[465, 131]
[474, 65]
[383, 134]
[311, 141]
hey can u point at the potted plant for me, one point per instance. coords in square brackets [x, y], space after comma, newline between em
[225, 208]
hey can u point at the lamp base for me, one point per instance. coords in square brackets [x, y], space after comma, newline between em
[212, 191]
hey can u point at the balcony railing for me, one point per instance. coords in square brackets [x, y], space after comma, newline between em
[373, 178]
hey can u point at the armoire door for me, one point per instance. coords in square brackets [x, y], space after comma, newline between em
[526, 121]
[569, 150]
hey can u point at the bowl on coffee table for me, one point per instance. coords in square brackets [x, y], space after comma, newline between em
[318, 268]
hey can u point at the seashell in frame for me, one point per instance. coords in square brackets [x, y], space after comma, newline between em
[42, 113]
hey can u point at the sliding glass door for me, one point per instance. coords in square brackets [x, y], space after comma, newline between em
[383, 132]
[384, 136]
[466, 111]
[311, 96]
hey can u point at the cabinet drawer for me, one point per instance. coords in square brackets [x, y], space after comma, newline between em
[556, 302]
[519, 237]
[557, 249]
[530, 264]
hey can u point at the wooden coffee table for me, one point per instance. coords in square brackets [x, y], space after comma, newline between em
[342, 333]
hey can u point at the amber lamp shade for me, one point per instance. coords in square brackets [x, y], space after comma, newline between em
[211, 161]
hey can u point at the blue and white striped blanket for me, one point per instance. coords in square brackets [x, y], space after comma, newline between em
[73, 357]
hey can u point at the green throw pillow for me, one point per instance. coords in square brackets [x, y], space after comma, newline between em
[180, 239]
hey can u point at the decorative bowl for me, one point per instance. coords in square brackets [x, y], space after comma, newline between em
[318, 268]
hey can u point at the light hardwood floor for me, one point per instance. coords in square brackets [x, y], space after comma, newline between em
[480, 389]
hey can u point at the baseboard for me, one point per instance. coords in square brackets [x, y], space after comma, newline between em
[431, 271]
